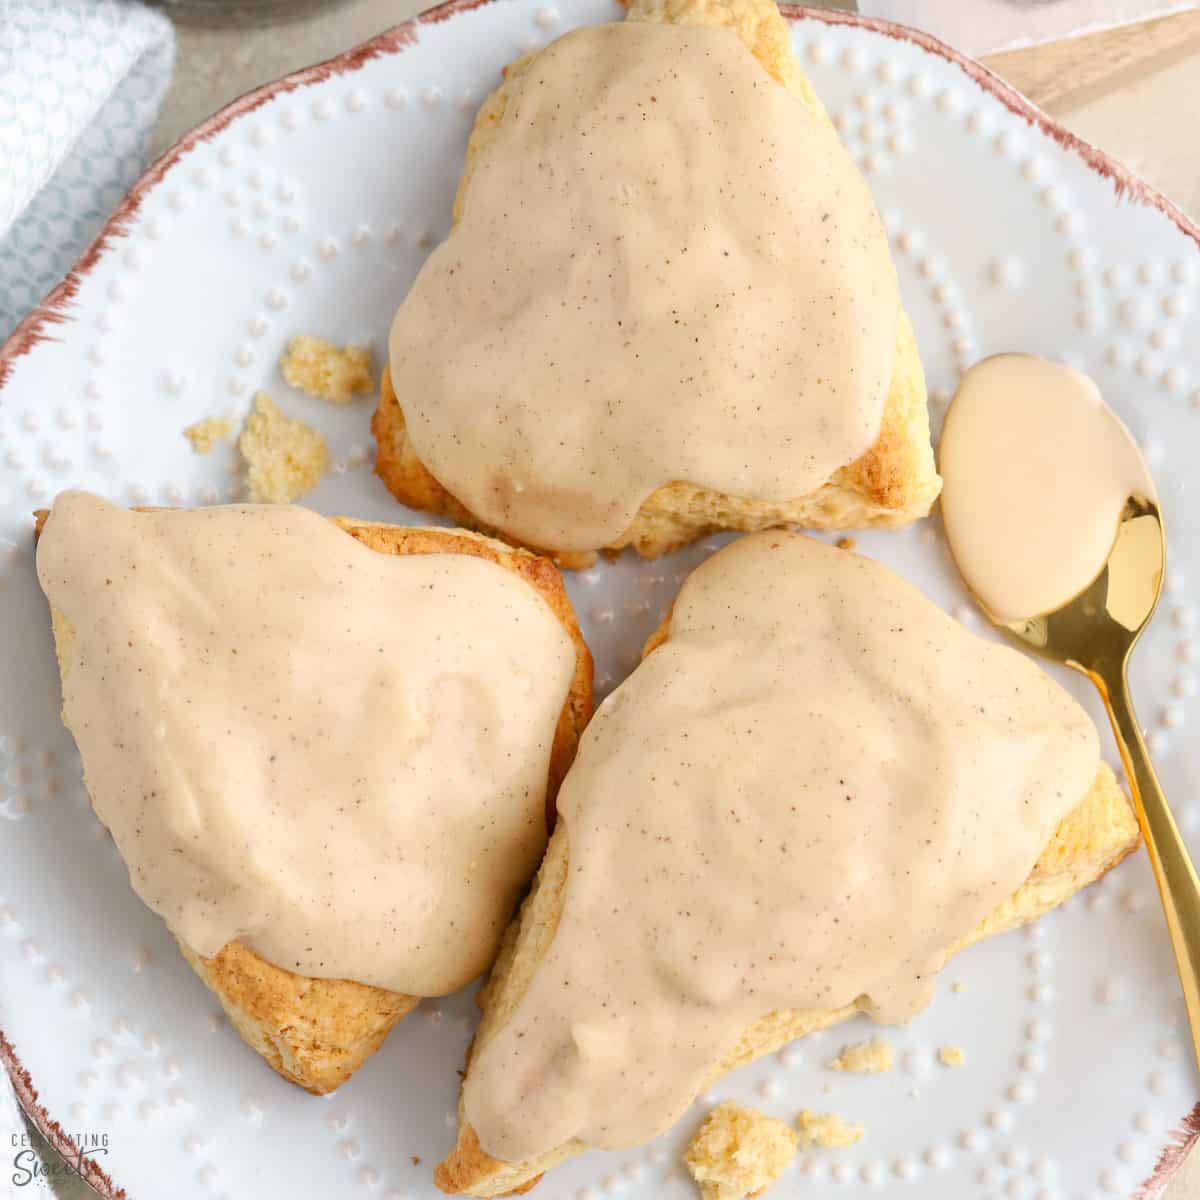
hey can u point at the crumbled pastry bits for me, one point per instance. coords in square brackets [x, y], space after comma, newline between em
[739, 1152]
[284, 457]
[952, 1056]
[318, 367]
[876, 1055]
[205, 434]
[828, 1130]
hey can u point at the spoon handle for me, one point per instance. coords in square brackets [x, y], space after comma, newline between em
[1178, 885]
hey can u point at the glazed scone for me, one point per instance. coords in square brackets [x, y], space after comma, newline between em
[871, 1057]
[1094, 834]
[892, 483]
[828, 1129]
[316, 366]
[739, 1152]
[313, 1031]
[284, 457]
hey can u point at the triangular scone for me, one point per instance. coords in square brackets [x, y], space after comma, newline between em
[893, 483]
[318, 1032]
[1095, 835]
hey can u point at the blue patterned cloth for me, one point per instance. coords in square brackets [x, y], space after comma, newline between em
[80, 86]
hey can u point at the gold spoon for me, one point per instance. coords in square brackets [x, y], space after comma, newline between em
[1094, 633]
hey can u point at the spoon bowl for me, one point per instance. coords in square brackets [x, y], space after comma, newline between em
[1099, 627]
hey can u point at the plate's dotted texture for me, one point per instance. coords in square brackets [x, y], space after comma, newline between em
[313, 212]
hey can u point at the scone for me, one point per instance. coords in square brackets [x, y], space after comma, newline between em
[890, 482]
[313, 1029]
[826, 788]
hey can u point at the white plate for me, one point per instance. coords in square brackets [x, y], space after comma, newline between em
[309, 206]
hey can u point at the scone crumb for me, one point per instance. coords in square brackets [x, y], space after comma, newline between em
[952, 1056]
[827, 1129]
[320, 368]
[875, 1055]
[846, 543]
[284, 457]
[739, 1152]
[958, 987]
[204, 435]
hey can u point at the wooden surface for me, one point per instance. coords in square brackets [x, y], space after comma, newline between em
[1063, 74]
[1134, 92]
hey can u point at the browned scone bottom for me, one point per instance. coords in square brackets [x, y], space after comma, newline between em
[891, 485]
[313, 1032]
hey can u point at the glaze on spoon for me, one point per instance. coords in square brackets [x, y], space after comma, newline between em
[1037, 470]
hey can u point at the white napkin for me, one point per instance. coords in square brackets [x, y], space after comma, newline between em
[80, 86]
